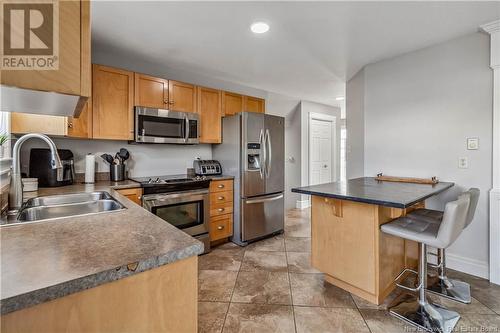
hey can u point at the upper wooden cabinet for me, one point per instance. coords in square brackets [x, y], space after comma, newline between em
[151, 91]
[210, 110]
[112, 103]
[81, 127]
[254, 104]
[231, 103]
[21, 123]
[182, 96]
[74, 68]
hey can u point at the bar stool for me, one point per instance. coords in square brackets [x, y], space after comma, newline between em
[453, 289]
[419, 312]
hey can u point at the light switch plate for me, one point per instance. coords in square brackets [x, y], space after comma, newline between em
[472, 143]
[463, 163]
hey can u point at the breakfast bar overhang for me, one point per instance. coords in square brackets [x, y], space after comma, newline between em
[346, 242]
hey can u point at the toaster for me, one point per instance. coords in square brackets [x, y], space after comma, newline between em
[207, 167]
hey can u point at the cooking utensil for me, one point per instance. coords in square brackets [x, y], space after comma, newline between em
[108, 158]
[124, 154]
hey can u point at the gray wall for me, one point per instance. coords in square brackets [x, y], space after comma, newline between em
[419, 108]
[355, 126]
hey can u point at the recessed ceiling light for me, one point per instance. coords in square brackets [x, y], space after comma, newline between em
[340, 98]
[259, 27]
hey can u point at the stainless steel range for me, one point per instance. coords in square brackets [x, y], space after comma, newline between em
[181, 201]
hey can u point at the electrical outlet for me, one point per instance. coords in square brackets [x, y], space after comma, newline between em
[463, 163]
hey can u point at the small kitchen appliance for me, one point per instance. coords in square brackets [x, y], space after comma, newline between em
[207, 167]
[180, 200]
[165, 126]
[40, 167]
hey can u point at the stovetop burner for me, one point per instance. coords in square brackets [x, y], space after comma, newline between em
[174, 183]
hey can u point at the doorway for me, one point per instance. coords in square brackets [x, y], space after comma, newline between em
[322, 149]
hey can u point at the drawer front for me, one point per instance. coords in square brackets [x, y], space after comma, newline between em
[221, 197]
[133, 194]
[221, 209]
[221, 185]
[221, 227]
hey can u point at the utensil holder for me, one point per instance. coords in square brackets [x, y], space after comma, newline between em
[117, 172]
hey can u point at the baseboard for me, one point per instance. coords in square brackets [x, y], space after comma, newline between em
[302, 204]
[467, 265]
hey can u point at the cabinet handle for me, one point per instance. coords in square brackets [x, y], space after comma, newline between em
[221, 186]
[70, 125]
[220, 227]
[220, 198]
[221, 209]
[171, 102]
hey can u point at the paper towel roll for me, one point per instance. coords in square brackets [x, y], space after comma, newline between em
[89, 168]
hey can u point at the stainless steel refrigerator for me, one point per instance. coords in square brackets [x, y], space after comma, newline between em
[252, 150]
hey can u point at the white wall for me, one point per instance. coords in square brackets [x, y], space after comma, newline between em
[355, 125]
[145, 159]
[419, 109]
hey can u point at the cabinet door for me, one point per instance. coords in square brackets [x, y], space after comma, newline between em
[133, 194]
[73, 57]
[231, 103]
[182, 96]
[151, 91]
[210, 110]
[81, 127]
[254, 104]
[112, 103]
[36, 123]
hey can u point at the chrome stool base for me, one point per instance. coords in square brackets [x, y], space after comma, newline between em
[429, 317]
[453, 289]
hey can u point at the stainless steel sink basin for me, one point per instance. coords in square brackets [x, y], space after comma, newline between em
[66, 205]
[63, 199]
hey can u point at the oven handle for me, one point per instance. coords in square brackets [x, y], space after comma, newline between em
[178, 197]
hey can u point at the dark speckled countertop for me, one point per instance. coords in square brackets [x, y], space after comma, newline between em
[372, 191]
[48, 259]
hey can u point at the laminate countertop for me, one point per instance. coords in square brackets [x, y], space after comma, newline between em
[48, 259]
[372, 191]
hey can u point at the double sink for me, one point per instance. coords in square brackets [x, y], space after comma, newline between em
[67, 205]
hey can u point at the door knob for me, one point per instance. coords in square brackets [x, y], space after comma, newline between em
[325, 166]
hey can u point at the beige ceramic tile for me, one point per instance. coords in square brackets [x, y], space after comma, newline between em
[312, 290]
[211, 316]
[273, 244]
[259, 318]
[335, 320]
[216, 285]
[262, 287]
[297, 244]
[267, 261]
[380, 321]
[300, 262]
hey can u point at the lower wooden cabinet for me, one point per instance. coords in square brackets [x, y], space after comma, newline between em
[221, 209]
[221, 227]
[133, 194]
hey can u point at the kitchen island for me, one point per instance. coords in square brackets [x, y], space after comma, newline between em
[346, 242]
[126, 270]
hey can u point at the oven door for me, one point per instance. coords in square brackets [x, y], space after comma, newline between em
[188, 211]
[164, 126]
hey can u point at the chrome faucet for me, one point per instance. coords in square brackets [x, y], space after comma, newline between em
[16, 186]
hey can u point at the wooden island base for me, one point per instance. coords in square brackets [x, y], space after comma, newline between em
[164, 299]
[348, 246]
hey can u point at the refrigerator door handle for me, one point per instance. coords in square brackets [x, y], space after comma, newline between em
[262, 147]
[269, 153]
[267, 199]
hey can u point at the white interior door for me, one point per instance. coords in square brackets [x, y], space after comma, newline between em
[321, 159]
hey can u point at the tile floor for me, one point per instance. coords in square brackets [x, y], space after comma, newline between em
[269, 286]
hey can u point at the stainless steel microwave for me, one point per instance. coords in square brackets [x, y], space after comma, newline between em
[165, 126]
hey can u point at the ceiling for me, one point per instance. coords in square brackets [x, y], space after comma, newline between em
[311, 49]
